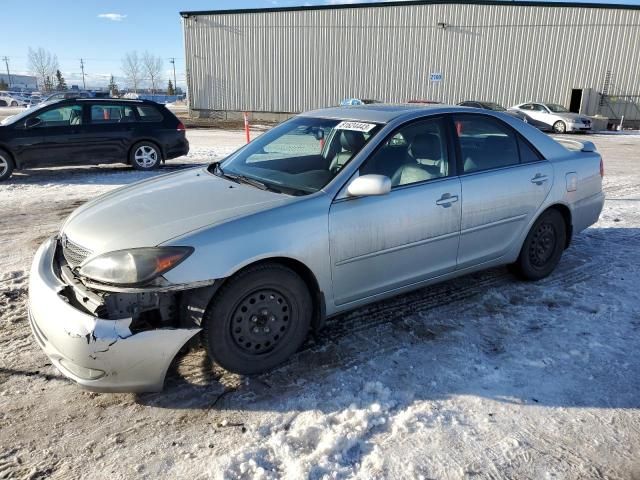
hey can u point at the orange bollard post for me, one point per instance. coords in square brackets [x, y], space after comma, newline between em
[246, 126]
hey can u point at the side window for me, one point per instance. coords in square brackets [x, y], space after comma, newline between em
[413, 153]
[61, 116]
[148, 113]
[527, 153]
[539, 108]
[528, 106]
[485, 143]
[105, 113]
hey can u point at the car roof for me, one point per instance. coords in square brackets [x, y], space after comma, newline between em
[381, 112]
[104, 100]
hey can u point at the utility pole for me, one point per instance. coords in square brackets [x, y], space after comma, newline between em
[84, 85]
[172, 60]
[6, 62]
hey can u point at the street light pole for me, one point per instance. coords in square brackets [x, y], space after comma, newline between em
[6, 62]
[84, 85]
[173, 61]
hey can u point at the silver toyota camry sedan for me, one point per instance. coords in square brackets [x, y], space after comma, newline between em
[326, 212]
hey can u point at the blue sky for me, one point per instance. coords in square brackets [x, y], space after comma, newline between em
[102, 31]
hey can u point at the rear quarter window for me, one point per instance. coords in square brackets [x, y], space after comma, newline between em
[148, 113]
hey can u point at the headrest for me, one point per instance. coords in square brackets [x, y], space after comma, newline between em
[426, 146]
[352, 141]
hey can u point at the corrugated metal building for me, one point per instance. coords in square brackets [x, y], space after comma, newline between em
[296, 59]
[19, 81]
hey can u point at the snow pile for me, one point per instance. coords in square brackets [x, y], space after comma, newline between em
[318, 445]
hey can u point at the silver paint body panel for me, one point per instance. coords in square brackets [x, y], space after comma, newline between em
[359, 249]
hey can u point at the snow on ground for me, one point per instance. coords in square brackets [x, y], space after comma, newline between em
[479, 377]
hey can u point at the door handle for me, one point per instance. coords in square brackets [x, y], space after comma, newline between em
[539, 179]
[446, 200]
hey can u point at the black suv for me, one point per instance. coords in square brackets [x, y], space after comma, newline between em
[87, 131]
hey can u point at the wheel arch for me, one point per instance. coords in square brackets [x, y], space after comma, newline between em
[565, 211]
[307, 275]
[12, 156]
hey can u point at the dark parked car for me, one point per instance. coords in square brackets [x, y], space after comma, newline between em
[496, 107]
[91, 131]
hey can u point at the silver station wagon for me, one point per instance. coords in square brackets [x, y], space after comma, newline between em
[326, 212]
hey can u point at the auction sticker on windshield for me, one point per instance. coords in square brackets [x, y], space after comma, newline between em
[355, 126]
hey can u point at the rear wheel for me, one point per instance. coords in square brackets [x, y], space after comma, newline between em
[14, 104]
[6, 165]
[258, 319]
[145, 156]
[560, 127]
[543, 247]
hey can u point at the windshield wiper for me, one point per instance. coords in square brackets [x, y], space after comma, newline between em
[243, 179]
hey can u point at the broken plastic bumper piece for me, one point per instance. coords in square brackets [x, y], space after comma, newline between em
[99, 354]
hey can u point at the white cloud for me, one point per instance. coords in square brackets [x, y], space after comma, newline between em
[114, 17]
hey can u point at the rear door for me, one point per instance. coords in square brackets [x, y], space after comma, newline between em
[504, 181]
[110, 132]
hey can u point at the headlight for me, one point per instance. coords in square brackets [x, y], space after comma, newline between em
[135, 266]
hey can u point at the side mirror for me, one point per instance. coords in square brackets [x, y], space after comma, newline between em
[368, 185]
[32, 122]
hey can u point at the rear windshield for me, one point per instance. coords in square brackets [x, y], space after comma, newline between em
[149, 114]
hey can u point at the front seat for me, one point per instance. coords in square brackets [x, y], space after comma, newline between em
[350, 142]
[428, 163]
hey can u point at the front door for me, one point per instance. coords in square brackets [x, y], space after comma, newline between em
[504, 182]
[382, 243]
[60, 137]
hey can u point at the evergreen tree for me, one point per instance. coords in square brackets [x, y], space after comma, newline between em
[113, 87]
[62, 85]
[48, 84]
[3, 85]
[170, 89]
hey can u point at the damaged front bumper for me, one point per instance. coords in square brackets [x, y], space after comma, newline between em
[99, 354]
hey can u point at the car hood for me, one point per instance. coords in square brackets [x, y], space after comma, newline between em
[154, 211]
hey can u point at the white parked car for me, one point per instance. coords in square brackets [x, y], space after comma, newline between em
[9, 101]
[555, 116]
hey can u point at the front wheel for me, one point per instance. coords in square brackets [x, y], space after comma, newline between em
[543, 247]
[145, 156]
[560, 127]
[258, 319]
[6, 165]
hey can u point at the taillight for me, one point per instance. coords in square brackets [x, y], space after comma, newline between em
[181, 127]
[601, 167]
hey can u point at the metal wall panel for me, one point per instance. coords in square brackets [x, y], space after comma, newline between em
[292, 61]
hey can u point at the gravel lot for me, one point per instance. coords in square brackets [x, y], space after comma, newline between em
[481, 377]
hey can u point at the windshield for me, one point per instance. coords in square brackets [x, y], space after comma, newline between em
[300, 156]
[494, 106]
[557, 108]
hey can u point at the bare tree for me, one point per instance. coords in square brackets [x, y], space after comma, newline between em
[42, 64]
[132, 69]
[152, 68]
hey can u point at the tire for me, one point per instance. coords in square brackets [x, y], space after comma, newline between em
[543, 247]
[3, 103]
[257, 319]
[14, 104]
[560, 127]
[6, 165]
[145, 156]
